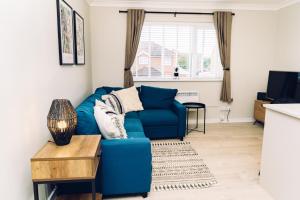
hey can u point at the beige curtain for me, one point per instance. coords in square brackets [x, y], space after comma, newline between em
[135, 21]
[223, 24]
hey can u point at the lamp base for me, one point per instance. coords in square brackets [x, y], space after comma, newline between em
[62, 139]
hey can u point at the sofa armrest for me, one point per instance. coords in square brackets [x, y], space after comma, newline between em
[180, 111]
[126, 160]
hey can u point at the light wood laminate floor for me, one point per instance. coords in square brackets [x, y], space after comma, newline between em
[232, 152]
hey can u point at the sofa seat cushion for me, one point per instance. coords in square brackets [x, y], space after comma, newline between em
[161, 132]
[158, 117]
[133, 125]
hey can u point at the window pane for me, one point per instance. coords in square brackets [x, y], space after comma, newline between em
[170, 50]
[170, 37]
[183, 63]
[184, 39]
[207, 53]
[169, 62]
[142, 60]
[156, 37]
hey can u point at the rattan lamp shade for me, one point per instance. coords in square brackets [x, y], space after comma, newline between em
[62, 121]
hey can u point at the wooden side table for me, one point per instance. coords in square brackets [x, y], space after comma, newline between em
[260, 111]
[76, 162]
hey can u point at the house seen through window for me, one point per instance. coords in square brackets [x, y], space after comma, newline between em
[192, 48]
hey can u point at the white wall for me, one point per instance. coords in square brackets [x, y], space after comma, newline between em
[288, 39]
[30, 78]
[252, 56]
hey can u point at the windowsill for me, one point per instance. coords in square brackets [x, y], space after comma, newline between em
[177, 79]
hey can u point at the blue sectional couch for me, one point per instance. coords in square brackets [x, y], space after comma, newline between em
[126, 164]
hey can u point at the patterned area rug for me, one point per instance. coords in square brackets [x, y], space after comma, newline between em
[177, 166]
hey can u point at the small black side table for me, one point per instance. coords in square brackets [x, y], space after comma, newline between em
[194, 105]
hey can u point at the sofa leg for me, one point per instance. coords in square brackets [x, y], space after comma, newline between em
[181, 138]
[145, 195]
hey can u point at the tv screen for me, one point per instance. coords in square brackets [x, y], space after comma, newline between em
[284, 86]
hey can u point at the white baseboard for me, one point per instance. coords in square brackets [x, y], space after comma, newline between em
[217, 120]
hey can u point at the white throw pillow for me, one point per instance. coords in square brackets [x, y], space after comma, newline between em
[124, 101]
[103, 106]
[109, 122]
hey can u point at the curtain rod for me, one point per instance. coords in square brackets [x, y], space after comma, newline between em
[174, 13]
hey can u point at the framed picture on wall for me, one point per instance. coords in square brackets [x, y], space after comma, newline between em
[65, 33]
[79, 39]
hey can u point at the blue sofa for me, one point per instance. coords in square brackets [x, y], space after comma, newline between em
[126, 164]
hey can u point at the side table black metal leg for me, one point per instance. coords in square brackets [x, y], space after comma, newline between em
[93, 190]
[187, 121]
[204, 118]
[36, 191]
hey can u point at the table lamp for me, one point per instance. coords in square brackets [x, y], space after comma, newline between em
[61, 121]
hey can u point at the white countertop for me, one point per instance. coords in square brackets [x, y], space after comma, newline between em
[292, 110]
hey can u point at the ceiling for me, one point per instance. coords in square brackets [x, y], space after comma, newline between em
[198, 4]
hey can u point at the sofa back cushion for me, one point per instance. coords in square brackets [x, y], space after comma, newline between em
[108, 89]
[100, 91]
[86, 123]
[156, 98]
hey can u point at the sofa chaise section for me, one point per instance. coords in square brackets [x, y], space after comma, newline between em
[126, 166]
[123, 161]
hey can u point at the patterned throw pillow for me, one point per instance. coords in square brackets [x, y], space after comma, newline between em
[109, 122]
[124, 101]
[113, 101]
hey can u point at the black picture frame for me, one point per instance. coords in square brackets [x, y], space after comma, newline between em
[79, 39]
[65, 25]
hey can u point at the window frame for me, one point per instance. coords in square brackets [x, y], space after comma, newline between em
[150, 78]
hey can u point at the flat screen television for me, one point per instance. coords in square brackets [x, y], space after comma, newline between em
[284, 86]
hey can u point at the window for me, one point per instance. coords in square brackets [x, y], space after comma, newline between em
[143, 60]
[192, 48]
